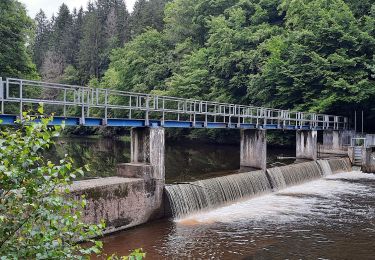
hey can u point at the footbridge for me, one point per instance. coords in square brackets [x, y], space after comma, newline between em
[143, 179]
[147, 113]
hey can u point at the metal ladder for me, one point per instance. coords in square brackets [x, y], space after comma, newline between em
[358, 155]
[358, 144]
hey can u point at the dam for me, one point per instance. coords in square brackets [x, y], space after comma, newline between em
[212, 207]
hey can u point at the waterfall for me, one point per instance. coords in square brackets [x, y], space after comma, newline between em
[282, 177]
[340, 165]
[192, 197]
[326, 168]
[196, 196]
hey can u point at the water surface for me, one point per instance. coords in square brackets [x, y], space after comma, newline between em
[330, 218]
[184, 161]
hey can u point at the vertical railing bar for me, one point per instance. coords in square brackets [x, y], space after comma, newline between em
[106, 106]
[21, 99]
[64, 102]
[88, 102]
[82, 106]
[163, 116]
[2, 94]
[147, 110]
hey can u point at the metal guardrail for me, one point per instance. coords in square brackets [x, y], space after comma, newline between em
[109, 102]
[358, 141]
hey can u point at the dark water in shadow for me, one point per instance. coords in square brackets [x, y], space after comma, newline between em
[331, 218]
[184, 162]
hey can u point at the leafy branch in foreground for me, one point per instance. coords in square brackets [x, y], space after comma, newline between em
[37, 217]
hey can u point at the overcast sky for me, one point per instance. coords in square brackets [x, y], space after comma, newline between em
[52, 6]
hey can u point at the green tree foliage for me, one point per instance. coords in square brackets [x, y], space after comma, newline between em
[147, 14]
[15, 31]
[38, 220]
[315, 55]
[142, 65]
[85, 39]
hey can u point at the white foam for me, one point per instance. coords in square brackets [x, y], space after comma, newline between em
[297, 203]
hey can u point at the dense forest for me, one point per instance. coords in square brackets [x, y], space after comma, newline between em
[312, 55]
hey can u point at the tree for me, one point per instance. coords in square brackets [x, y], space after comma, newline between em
[42, 35]
[319, 63]
[15, 28]
[142, 65]
[147, 14]
[37, 217]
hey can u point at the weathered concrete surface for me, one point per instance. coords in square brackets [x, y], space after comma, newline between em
[135, 170]
[148, 147]
[253, 148]
[368, 160]
[120, 202]
[337, 140]
[306, 144]
[136, 195]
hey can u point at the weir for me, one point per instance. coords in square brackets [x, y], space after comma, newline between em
[189, 198]
[207, 194]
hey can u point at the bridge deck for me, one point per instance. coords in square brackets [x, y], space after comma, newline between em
[77, 105]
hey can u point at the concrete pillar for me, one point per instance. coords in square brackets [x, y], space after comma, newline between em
[148, 147]
[306, 144]
[253, 148]
[147, 163]
[368, 159]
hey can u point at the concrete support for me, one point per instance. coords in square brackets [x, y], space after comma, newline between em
[306, 144]
[253, 148]
[336, 139]
[148, 148]
[368, 160]
[135, 196]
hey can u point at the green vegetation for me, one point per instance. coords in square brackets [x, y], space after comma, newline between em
[15, 29]
[310, 55]
[38, 219]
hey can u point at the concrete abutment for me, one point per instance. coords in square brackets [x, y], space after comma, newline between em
[135, 196]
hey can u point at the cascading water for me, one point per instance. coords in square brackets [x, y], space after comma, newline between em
[340, 165]
[326, 168]
[207, 194]
[282, 177]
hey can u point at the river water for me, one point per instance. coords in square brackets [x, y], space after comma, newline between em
[187, 162]
[330, 218]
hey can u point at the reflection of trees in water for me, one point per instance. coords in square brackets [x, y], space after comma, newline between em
[101, 155]
[183, 162]
[186, 163]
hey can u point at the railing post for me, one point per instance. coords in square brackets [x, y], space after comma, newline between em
[21, 99]
[163, 114]
[64, 102]
[82, 106]
[106, 106]
[88, 102]
[147, 110]
[2, 94]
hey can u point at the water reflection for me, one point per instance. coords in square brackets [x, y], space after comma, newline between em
[331, 218]
[185, 162]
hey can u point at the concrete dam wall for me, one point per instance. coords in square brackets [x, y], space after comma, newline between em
[124, 202]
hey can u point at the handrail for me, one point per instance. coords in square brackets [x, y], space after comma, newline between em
[15, 90]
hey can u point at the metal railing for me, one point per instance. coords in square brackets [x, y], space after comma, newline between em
[110, 103]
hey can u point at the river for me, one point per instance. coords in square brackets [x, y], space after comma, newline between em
[330, 218]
